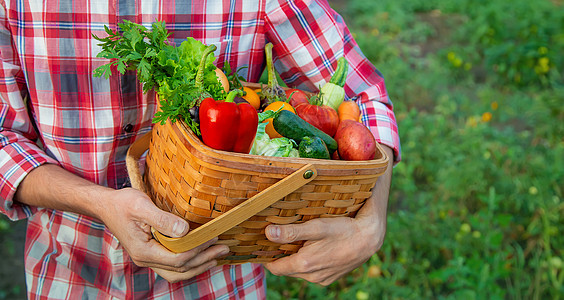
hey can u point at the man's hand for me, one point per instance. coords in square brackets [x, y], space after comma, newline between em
[130, 216]
[334, 246]
[128, 213]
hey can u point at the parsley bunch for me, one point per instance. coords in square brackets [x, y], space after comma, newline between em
[169, 70]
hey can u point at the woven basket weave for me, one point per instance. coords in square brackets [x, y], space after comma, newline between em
[249, 192]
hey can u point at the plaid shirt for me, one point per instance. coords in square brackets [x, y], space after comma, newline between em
[86, 124]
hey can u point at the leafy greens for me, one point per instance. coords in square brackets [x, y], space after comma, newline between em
[168, 69]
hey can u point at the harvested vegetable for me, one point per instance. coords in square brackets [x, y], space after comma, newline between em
[355, 140]
[313, 147]
[223, 79]
[296, 97]
[294, 127]
[272, 92]
[332, 93]
[228, 126]
[264, 145]
[349, 110]
[252, 97]
[321, 116]
[170, 70]
[275, 106]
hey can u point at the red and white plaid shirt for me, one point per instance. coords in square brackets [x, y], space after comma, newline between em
[86, 124]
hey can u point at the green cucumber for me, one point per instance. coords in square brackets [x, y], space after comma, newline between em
[313, 147]
[292, 126]
[340, 75]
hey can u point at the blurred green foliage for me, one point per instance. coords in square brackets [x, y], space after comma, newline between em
[476, 209]
[12, 283]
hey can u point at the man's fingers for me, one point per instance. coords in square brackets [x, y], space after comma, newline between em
[155, 255]
[294, 265]
[315, 229]
[207, 255]
[165, 222]
[174, 277]
[284, 234]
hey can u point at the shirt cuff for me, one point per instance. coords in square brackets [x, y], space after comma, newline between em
[381, 121]
[16, 161]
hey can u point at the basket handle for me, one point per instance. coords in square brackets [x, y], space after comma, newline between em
[227, 220]
[239, 213]
[139, 146]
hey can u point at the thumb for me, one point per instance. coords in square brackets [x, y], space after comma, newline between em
[284, 234]
[167, 223]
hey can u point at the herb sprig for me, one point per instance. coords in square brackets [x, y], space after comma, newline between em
[168, 69]
[233, 76]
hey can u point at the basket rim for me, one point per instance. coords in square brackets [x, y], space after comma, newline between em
[285, 165]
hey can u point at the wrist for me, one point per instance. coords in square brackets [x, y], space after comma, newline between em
[372, 232]
[51, 186]
[98, 201]
[372, 218]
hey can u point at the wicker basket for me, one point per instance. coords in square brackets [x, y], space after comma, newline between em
[235, 196]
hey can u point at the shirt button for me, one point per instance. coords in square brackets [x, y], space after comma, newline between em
[128, 128]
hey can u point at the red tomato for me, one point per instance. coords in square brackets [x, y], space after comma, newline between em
[321, 116]
[298, 97]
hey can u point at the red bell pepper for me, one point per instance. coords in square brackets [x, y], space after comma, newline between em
[228, 126]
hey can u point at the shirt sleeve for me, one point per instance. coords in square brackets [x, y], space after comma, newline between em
[18, 153]
[308, 38]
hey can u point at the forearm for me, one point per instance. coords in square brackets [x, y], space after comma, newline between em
[374, 212]
[378, 202]
[127, 213]
[50, 186]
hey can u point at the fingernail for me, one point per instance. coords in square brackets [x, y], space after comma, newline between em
[274, 231]
[179, 228]
[224, 251]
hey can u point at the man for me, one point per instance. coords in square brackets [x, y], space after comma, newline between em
[88, 236]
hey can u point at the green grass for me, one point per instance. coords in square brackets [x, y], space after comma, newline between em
[476, 209]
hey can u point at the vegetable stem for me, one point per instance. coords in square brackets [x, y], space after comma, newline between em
[270, 67]
[200, 74]
[273, 92]
[231, 96]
